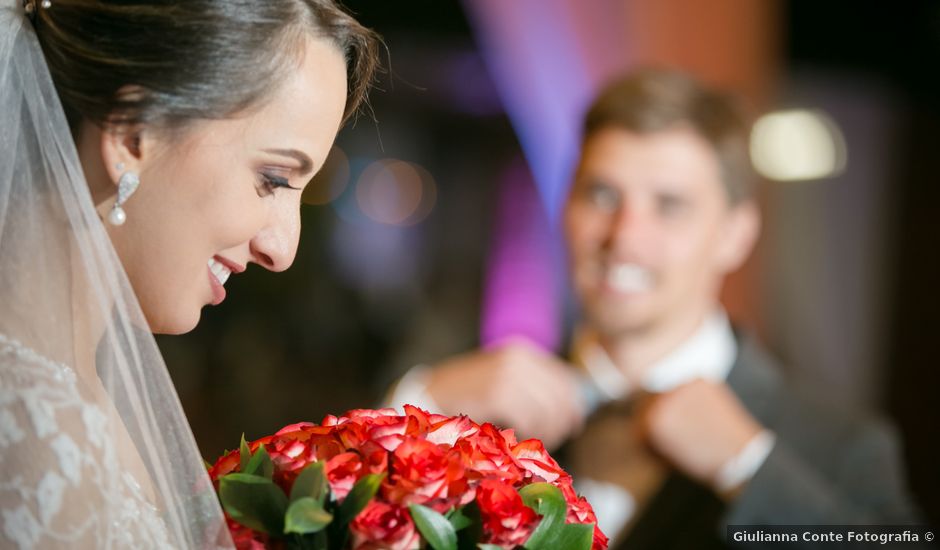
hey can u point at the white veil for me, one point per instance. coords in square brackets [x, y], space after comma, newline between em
[95, 449]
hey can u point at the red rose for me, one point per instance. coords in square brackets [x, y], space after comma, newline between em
[424, 473]
[246, 539]
[345, 469]
[507, 521]
[230, 461]
[382, 526]
[351, 434]
[449, 430]
[226, 464]
[296, 427]
[486, 453]
[293, 451]
[367, 416]
[388, 432]
[421, 422]
[580, 511]
[535, 460]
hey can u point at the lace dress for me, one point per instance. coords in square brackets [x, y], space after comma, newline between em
[62, 479]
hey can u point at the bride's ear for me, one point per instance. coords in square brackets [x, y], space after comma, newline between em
[122, 145]
[120, 151]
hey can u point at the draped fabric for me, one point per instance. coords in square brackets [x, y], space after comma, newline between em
[95, 449]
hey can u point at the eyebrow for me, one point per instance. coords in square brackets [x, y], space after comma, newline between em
[306, 165]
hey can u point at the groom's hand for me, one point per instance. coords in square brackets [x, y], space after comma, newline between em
[699, 427]
[514, 385]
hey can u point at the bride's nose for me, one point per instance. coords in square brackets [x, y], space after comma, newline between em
[275, 245]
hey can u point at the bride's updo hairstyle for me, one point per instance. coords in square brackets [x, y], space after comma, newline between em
[167, 62]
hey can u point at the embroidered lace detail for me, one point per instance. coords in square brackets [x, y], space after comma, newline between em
[61, 483]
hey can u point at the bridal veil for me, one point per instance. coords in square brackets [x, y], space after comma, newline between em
[95, 449]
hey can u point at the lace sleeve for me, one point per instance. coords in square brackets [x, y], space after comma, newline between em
[62, 479]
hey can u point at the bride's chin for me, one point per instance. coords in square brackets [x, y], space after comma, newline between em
[175, 324]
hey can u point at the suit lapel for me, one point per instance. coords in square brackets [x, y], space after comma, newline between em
[756, 380]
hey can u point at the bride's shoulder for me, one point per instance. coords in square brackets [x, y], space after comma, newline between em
[20, 364]
[37, 390]
[61, 480]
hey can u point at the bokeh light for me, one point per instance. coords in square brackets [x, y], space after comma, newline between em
[395, 192]
[797, 145]
[330, 181]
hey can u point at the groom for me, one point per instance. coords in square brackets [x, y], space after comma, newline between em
[689, 426]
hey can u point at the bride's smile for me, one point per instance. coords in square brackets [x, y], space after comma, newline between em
[223, 192]
[220, 269]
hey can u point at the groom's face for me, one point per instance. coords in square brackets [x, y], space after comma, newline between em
[649, 227]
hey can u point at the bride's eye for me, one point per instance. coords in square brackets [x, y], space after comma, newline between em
[271, 182]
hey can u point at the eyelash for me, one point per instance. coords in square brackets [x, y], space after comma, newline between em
[272, 183]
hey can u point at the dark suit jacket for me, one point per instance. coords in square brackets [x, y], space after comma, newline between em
[825, 468]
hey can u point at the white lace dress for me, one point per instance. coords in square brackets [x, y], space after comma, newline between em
[62, 484]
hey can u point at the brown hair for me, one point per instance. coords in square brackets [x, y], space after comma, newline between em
[653, 100]
[188, 59]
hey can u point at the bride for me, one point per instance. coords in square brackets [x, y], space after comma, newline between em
[148, 151]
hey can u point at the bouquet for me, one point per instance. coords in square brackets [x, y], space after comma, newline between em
[374, 479]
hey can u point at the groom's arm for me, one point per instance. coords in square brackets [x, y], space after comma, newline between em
[861, 481]
[814, 466]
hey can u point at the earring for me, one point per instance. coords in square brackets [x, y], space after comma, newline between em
[126, 187]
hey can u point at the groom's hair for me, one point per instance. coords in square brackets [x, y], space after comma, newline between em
[169, 62]
[654, 100]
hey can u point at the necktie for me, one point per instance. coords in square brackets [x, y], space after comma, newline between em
[612, 449]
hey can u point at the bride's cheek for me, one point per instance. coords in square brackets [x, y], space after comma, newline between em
[242, 223]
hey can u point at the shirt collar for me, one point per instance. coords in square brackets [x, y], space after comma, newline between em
[709, 353]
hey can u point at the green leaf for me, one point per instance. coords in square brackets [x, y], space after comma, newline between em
[436, 530]
[311, 483]
[469, 536]
[244, 454]
[260, 464]
[548, 502]
[458, 519]
[253, 501]
[360, 495]
[574, 536]
[305, 515]
[482, 546]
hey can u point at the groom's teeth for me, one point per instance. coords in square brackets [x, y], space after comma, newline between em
[220, 271]
[629, 278]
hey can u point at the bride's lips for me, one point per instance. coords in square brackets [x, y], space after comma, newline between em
[224, 268]
[218, 291]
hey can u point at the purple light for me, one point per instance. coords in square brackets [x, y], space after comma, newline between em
[522, 274]
[547, 59]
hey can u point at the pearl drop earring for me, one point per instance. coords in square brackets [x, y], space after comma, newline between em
[127, 184]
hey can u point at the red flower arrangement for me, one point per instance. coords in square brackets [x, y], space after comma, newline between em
[374, 479]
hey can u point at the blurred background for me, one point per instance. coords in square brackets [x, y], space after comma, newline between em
[431, 229]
